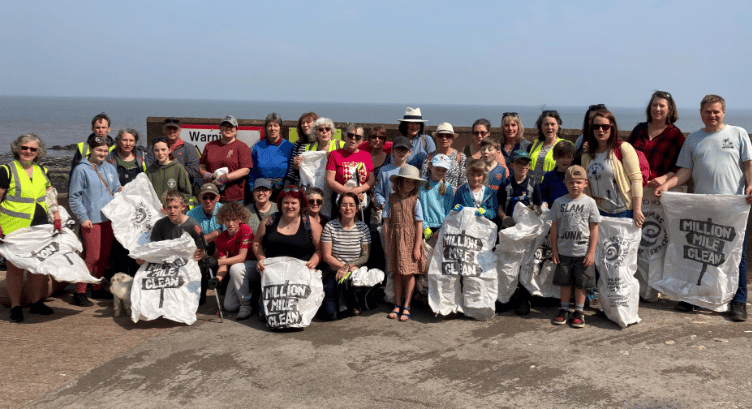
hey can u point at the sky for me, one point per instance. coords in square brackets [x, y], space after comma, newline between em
[559, 53]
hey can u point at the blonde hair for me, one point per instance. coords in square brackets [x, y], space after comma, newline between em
[172, 196]
[476, 166]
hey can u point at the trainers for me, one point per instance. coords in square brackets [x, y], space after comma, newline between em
[578, 319]
[39, 308]
[244, 313]
[16, 314]
[685, 307]
[562, 318]
[738, 311]
[80, 300]
[101, 294]
[523, 308]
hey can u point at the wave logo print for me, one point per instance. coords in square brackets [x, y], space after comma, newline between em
[141, 217]
[615, 250]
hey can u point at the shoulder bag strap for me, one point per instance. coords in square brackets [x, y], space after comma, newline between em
[102, 179]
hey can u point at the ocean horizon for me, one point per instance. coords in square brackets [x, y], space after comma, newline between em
[67, 120]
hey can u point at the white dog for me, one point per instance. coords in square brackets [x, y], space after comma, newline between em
[120, 288]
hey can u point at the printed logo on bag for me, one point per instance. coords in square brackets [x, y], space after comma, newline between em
[281, 302]
[141, 217]
[45, 252]
[705, 242]
[615, 249]
[654, 236]
[542, 253]
[161, 276]
[171, 183]
[460, 251]
[617, 293]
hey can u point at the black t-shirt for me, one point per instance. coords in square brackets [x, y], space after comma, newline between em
[40, 216]
[164, 229]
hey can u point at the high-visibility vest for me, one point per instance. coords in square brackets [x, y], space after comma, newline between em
[19, 203]
[334, 144]
[85, 154]
[549, 163]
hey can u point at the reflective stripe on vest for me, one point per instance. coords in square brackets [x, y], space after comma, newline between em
[19, 203]
[334, 144]
[549, 162]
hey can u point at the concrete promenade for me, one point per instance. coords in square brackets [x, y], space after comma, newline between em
[83, 357]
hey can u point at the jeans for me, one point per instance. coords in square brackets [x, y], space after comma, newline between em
[741, 292]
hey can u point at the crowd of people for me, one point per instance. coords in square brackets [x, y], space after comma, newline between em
[379, 199]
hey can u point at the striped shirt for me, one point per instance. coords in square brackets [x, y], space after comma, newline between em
[346, 244]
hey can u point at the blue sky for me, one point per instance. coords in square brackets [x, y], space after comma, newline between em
[560, 53]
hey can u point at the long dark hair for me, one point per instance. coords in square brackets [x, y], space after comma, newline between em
[586, 121]
[539, 124]
[613, 138]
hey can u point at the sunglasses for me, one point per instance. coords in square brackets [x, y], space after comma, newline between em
[156, 140]
[382, 137]
[444, 136]
[550, 112]
[209, 197]
[594, 107]
[28, 148]
[323, 129]
[480, 133]
[663, 94]
[354, 136]
[315, 202]
[291, 189]
[605, 127]
[506, 114]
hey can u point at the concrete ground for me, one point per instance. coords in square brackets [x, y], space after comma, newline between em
[83, 357]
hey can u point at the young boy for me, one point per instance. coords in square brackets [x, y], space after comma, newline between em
[497, 172]
[173, 226]
[574, 232]
[553, 186]
[519, 187]
[383, 188]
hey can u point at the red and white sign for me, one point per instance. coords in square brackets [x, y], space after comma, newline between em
[200, 135]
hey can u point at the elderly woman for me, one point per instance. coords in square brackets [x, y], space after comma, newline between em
[541, 151]
[455, 176]
[412, 126]
[350, 170]
[305, 136]
[345, 247]
[289, 232]
[127, 158]
[271, 155]
[658, 138]
[25, 178]
[512, 136]
[227, 152]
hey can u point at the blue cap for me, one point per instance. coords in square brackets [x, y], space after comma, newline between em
[520, 155]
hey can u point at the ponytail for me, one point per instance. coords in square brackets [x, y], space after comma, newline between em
[442, 187]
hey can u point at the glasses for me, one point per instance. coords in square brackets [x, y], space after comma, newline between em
[291, 189]
[322, 129]
[155, 140]
[605, 127]
[480, 133]
[506, 114]
[382, 137]
[209, 197]
[525, 164]
[595, 107]
[28, 148]
[446, 135]
[551, 112]
[663, 94]
[315, 202]
[354, 136]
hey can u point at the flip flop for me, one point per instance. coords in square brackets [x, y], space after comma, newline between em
[405, 314]
[396, 313]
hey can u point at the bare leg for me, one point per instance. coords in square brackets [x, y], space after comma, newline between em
[566, 294]
[38, 285]
[14, 281]
[397, 281]
[579, 296]
[409, 288]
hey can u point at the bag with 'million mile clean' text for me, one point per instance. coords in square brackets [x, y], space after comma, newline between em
[616, 261]
[291, 292]
[705, 235]
[513, 243]
[462, 274]
[133, 212]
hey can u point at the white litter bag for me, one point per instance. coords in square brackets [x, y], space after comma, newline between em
[291, 292]
[537, 269]
[365, 277]
[705, 234]
[616, 261]
[462, 274]
[513, 243]
[133, 212]
[40, 251]
[313, 174]
[169, 283]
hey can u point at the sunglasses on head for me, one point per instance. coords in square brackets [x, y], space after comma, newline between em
[160, 139]
[291, 189]
[506, 114]
[28, 148]
[594, 107]
[354, 136]
[605, 127]
[171, 121]
[315, 202]
[550, 112]
[663, 94]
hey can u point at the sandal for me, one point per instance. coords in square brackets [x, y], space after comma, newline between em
[393, 315]
[404, 314]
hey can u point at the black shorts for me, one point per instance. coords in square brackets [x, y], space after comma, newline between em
[570, 272]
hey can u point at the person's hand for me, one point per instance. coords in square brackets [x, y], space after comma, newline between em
[140, 262]
[589, 260]
[260, 265]
[653, 183]
[58, 225]
[86, 225]
[361, 196]
[296, 161]
[310, 264]
[199, 254]
[660, 189]
[748, 192]
[416, 253]
[342, 272]
[213, 283]
[638, 218]
[208, 263]
[121, 189]
[555, 257]
[208, 178]
[221, 181]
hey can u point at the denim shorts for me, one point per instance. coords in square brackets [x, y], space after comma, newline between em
[571, 272]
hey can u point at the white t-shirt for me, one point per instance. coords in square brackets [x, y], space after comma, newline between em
[574, 217]
[603, 184]
[716, 160]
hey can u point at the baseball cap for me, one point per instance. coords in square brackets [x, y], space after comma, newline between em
[263, 182]
[575, 172]
[520, 155]
[208, 188]
[231, 119]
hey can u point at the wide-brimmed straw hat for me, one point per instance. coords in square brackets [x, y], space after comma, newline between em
[408, 172]
[412, 115]
[445, 128]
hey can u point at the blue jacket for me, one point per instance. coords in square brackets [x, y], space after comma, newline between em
[88, 195]
[464, 197]
[435, 207]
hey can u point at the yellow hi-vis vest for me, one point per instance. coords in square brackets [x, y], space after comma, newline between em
[334, 144]
[83, 149]
[19, 203]
[549, 162]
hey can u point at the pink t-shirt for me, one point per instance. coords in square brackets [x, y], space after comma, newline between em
[346, 164]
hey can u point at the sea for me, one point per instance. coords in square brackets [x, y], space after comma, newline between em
[67, 120]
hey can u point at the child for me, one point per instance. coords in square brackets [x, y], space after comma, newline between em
[574, 233]
[166, 173]
[553, 186]
[519, 187]
[436, 196]
[176, 222]
[497, 172]
[403, 230]
[474, 193]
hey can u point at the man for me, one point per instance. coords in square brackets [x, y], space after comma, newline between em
[718, 158]
[206, 216]
[184, 152]
[227, 152]
[100, 127]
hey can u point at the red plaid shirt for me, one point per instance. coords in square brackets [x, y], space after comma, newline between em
[662, 151]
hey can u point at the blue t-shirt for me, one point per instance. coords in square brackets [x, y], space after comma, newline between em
[208, 223]
[553, 187]
[496, 177]
[435, 206]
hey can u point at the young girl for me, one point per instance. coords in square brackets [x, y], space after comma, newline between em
[436, 196]
[403, 227]
[475, 193]
[166, 173]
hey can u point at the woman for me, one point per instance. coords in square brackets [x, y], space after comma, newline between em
[412, 126]
[324, 131]
[455, 176]
[262, 207]
[616, 185]
[580, 145]
[377, 147]
[512, 136]
[315, 204]
[289, 232]
[305, 136]
[541, 151]
[21, 179]
[345, 246]
[350, 170]
[481, 130]
[93, 184]
[227, 152]
[658, 138]
[271, 155]
[128, 160]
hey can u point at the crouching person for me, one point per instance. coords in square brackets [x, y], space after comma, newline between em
[234, 254]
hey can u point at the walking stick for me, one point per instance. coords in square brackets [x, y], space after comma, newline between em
[204, 244]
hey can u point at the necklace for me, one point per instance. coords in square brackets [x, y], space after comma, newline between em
[288, 226]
